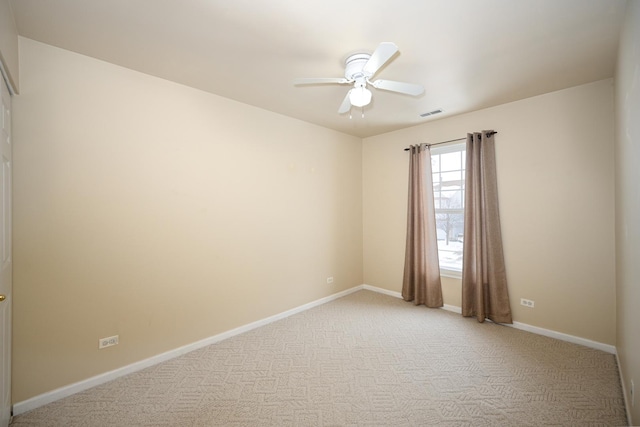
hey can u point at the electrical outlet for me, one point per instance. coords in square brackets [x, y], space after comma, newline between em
[329, 280]
[527, 302]
[107, 342]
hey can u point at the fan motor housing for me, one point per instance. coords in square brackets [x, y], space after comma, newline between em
[354, 65]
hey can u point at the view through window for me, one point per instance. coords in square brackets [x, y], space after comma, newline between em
[447, 167]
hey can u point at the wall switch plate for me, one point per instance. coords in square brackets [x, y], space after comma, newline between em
[527, 302]
[329, 280]
[107, 342]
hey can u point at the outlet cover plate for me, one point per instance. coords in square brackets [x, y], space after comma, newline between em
[527, 302]
[108, 342]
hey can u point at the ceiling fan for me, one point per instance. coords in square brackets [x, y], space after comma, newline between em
[359, 69]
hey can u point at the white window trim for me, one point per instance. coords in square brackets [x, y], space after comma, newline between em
[447, 272]
[443, 149]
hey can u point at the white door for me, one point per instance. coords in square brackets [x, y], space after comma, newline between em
[5, 258]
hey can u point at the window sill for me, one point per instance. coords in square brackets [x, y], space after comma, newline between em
[455, 274]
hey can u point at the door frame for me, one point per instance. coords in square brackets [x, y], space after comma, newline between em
[6, 408]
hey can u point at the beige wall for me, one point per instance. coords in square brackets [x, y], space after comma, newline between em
[556, 183]
[163, 214]
[628, 204]
[9, 44]
[166, 215]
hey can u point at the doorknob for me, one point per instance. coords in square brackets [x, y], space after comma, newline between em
[2, 298]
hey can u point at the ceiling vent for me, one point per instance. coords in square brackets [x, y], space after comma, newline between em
[431, 113]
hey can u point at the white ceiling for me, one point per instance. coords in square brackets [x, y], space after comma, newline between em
[468, 54]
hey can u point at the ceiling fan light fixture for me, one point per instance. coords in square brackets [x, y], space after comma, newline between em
[359, 70]
[360, 96]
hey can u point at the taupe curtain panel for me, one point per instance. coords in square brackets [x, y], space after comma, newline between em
[421, 282]
[484, 279]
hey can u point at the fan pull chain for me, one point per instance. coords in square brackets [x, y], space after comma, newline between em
[351, 117]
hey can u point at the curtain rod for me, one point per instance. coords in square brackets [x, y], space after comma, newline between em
[451, 140]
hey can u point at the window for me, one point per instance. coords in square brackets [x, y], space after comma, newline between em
[447, 166]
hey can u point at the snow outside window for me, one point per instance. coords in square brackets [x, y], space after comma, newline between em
[447, 167]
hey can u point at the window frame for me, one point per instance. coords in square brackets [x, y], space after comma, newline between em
[447, 271]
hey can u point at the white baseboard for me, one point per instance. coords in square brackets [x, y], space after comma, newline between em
[517, 325]
[382, 291]
[627, 408]
[399, 295]
[564, 337]
[62, 392]
[453, 308]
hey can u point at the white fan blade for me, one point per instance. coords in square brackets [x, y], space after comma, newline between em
[401, 87]
[346, 104]
[313, 81]
[383, 53]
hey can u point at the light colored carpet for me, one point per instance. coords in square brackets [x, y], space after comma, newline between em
[362, 360]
